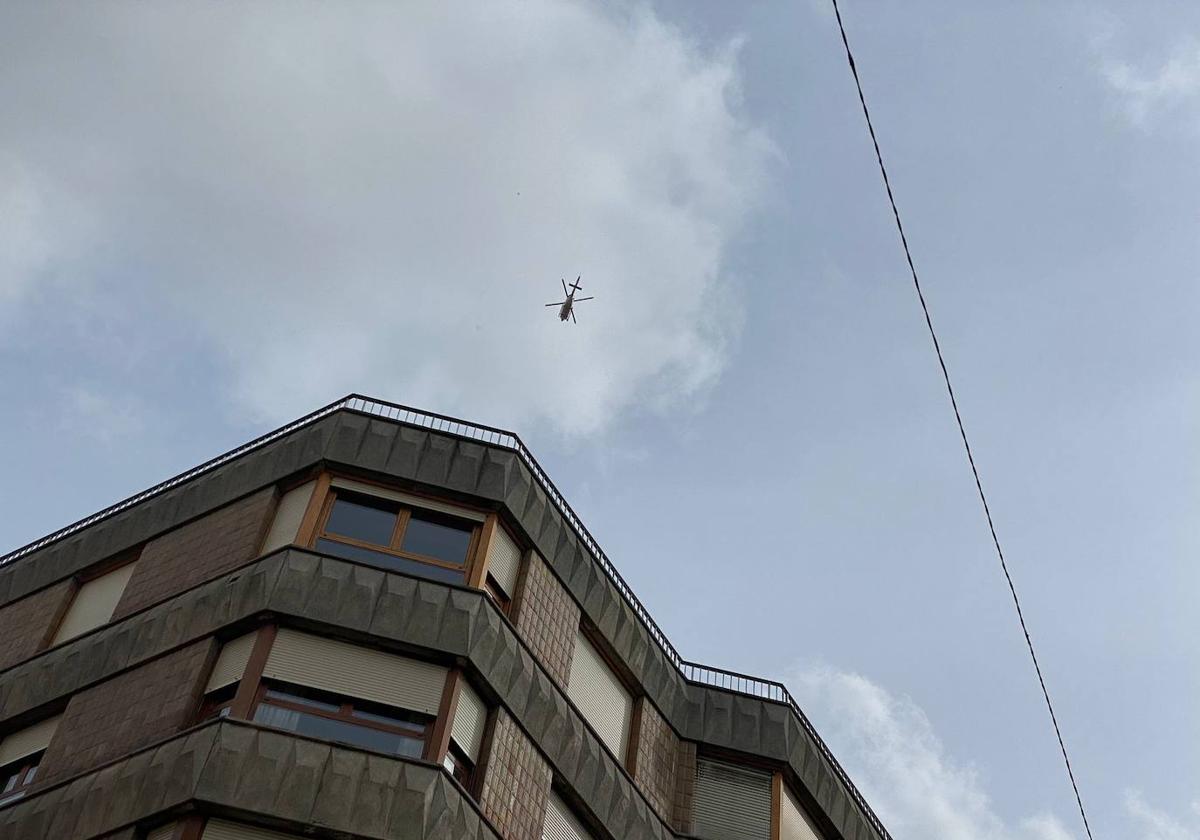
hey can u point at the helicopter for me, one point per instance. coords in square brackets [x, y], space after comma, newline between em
[567, 309]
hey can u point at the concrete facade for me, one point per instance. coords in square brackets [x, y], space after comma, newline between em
[205, 583]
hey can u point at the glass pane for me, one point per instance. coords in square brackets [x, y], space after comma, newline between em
[276, 694]
[275, 716]
[435, 539]
[362, 522]
[328, 729]
[31, 774]
[412, 721]
[390, 561]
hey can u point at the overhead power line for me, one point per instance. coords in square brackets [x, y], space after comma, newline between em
[958, 417]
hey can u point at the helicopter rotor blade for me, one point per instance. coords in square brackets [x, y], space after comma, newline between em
[573, 321]
[580, 300]
[564, 284]
[560, 303]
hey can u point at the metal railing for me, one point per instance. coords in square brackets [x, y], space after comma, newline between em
[444, 424]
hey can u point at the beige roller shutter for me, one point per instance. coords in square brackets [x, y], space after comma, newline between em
[731, 802]
[27, 741]
[231, 662]
[600, 696]
[793, 822]
[469, 716]
[289, 513]
[163, 832]
[356, 671]
[407, 499]
[225, 830]
[560, 823]
[94, 603]
[504, 560]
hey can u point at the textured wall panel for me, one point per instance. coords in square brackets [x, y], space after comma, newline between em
[25, 624]
[199, 551]
[516, 783]
[283, 780]
[127, 712]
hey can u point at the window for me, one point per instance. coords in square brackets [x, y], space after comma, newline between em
[93, 604]
[352, 721]
[503, 566]
[217, 704]
[466, 733]
[218, 829]
[600, 696]
[794, 824]
[289, 515]
[561, 823]
[386, 533]
[459, 766]
[16, 777]
[731, 802]
[20, 754]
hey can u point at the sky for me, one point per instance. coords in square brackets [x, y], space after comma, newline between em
[215, 218]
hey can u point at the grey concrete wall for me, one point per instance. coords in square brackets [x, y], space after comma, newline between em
[238, 769]
[356, 602]
[477, 472]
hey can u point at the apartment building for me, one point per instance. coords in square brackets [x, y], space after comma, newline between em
[376, 623]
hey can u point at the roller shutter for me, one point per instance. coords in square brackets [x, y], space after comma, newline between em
[163, 832]
[225, 830]
[356, 671]
[793, 822]
[27, 741]
[407, 499]
[600, 696]
[289, 513]
[731, 802]
[231, 662]
[94, 603]
[504, 560]
[469, 717]
[560, 823]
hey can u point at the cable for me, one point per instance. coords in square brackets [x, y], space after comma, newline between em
[958, 417]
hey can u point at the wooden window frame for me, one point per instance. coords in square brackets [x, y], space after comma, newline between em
[249, 690]
[22, 766]
[344, 714]
[404, 515]
[776, 805]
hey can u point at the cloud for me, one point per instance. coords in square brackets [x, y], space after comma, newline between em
[895, 757]
[89, 413]
[1148, 93]
[1152, 824]
[381, 197]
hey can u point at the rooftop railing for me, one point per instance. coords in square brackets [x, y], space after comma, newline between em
[692, 671]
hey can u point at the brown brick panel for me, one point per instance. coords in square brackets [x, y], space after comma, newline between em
[657, 760]
[127, 712]
[25, 624]
[547, 619]
[516, 782]
[685, 785]
[199, 551]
